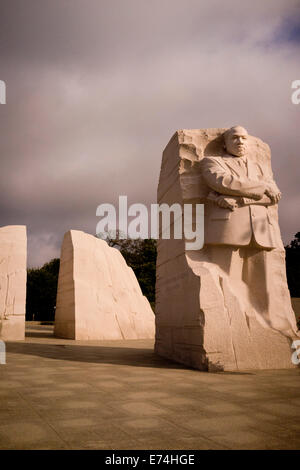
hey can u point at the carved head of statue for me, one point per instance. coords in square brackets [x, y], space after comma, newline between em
[236, 141]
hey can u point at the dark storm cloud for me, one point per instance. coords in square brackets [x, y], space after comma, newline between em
[95, 90]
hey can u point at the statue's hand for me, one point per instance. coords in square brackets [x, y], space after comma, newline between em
[227, 202]
[256, 196]
[273, 192]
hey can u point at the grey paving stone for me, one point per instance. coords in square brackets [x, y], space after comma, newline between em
[60, 394]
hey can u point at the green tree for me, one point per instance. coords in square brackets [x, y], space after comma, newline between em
[293, 265]
[41, 291]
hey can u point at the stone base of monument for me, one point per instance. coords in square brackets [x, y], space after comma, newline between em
[13, 259]
[99, 297]
[214, 311]
[213, 332]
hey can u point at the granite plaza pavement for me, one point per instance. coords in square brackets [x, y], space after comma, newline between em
[64, 394]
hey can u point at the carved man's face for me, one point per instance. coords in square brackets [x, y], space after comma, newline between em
[236, 141]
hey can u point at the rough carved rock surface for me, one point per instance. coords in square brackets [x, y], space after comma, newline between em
[13, 259]
[205, 317]
[98, 295]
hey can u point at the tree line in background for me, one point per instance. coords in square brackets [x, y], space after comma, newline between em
[41, 291]
[140, 255]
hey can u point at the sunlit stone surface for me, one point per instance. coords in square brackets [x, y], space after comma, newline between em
[13, 259]
[98, 294]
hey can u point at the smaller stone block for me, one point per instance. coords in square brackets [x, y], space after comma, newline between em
[99, 297]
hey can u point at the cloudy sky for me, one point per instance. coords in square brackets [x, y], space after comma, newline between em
[96, 88]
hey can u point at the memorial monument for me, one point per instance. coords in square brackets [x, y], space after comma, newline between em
[13, 259]
[98, 297]
[226, 306]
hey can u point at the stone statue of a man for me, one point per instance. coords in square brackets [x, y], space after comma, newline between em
[239, 197]
[240, 226]
[226, 306]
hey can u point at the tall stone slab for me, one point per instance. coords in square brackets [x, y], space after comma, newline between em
[99, 297]
[206, 317]
[13, 274]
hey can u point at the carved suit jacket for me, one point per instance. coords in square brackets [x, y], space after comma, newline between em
[251, 218]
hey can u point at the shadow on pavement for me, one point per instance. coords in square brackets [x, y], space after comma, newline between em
[137, 357]
[99, 354]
